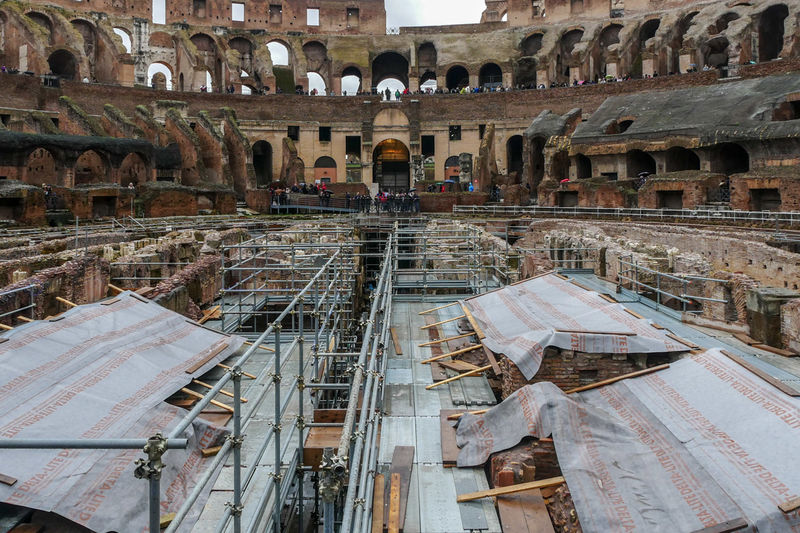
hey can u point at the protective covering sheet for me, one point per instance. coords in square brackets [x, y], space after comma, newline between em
[102, 371]
[522, 320]
[695, 445]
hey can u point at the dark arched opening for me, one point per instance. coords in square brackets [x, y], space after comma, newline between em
[536, 161]
[730, 158]
[514, 155]
[679, 158]
[639, 162]
[770, 32]
[262, 163]
[457, 77]
[452, 168]
[351, 80]
[90, 168]
[649, 29]
[584, 166]
[133, 169]
[62, 64]
[532, 44]
[389, 65]
[427, 56]
[490, 76]
[41, 168]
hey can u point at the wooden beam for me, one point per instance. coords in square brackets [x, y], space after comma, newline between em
[493, 361]
[115, 288]
[8, 480]
[260, 346]
[377, 504]
[7, 328]
[245, 374]
[789, 506]
[585, 387]
[429, 326]
[166, 520]
[24, 319]
[447, 339]
[618, 378]
[473, 322]
[198, 365]
[398, 349]
[210, 452]
[65, 301]
[208, 314]
[437, 308]
[460, 376]
[690, 344]
[402, 465]
[451, 354]
[458, 366]
[199, 396]
[511, 489]
[633, 313]
[223, 392]
[772, 349]
[394, 504]
[725, 527]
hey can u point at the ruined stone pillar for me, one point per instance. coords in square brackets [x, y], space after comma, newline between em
[473, 80]
[543, 78]
[686, 60]
[336, 84]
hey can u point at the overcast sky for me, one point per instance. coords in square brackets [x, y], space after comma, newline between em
[433, 12]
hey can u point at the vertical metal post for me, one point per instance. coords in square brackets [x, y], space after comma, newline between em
[237, 449]
[150, 469]
[658, 291]
[301, 424]
[155, 504]
[222, 268]
[276, 428]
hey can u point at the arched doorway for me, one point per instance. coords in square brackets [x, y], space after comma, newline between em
[457, 77]
[41, 168]
[583, 166]
[159, 76]
[730, 158]
[390, 165]
[351, 81]
[679, 158]
[638, 162]
[325, 170]
[770, 32]
[514, 155]
[133, 170]
[390, 65]
[490, 76]
[90, 168]
[62, 63]
[262, 163]
[452, 168]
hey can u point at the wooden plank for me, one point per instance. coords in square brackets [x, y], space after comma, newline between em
[772, 349]
[618, 378]
[451, 354]
[167, 519]
[437, 372]
[393, 524]
[460, 376]
[377, 504]
[448, 339]
[7, 328]
[7, 480]
[775, 382]
[512, 489]
[260, 346]
[437, 308]
[582, 286]
[524, 513]
[317, 440]
[725, 527]
[398, 349]
[210, 452]
[110, 302]
[456, 416]
[475, 327]
[199, 396]
[492, 361]
[690, 344]
[402, 463]
[448, 438]
[115, 288]
[609, 298]
[25, 319]
[657, 326]
[747, 339]
[429, 326]
[208, 314]
[562, 276]
[458, 366]
[789, 506]
[633, 313]
[65, 301]
[223, 392]
[198, 365]
[621, 333]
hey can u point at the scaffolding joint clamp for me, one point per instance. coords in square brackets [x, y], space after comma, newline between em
[236, 510]
[301, 382]
[151, 467]
[276, 378]
[275, 427]
[301, 422]
[236, 442]
[235, 372]
[359, 502]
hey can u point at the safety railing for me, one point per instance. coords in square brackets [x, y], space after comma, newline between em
[789, 218]
[19, 311]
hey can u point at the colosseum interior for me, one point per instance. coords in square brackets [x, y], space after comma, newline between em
[277, 266]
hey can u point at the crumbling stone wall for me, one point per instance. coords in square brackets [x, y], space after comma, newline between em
[790, 326]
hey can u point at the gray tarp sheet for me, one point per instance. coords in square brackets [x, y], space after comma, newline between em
[521, 320]
[697, 444]
[102, 371]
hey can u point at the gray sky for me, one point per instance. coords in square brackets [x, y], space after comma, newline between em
[432, 12]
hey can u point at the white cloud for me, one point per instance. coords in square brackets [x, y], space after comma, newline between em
[433, 12]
